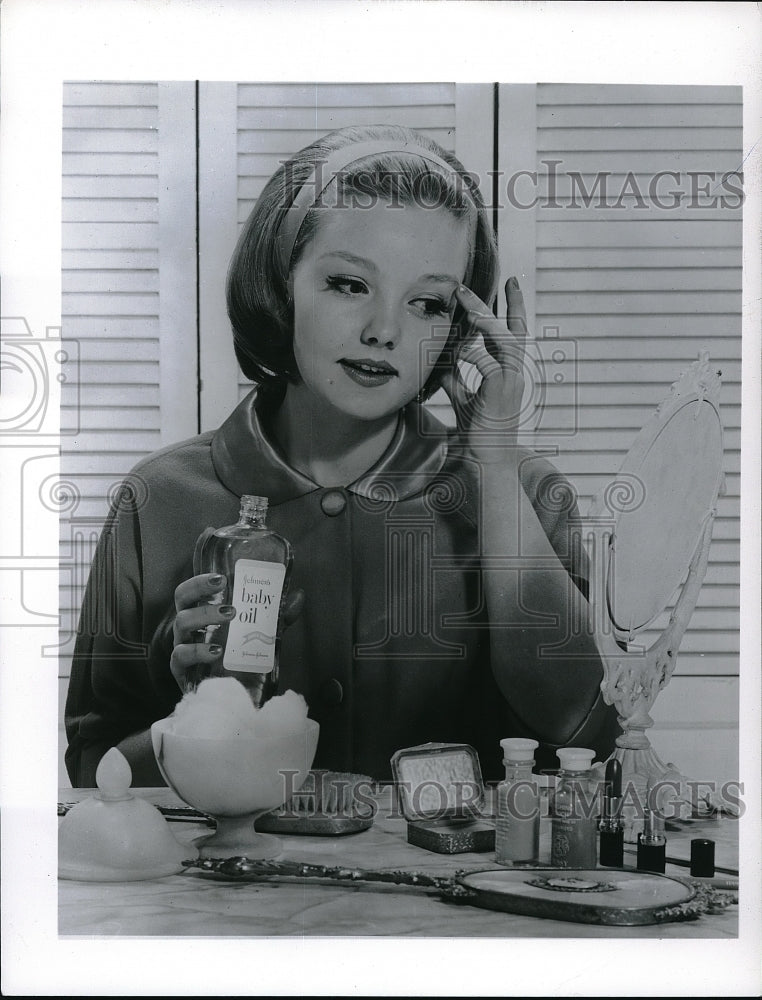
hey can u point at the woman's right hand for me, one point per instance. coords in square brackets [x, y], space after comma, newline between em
[192, 660]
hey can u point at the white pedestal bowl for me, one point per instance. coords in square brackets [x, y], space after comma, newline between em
[235, 780]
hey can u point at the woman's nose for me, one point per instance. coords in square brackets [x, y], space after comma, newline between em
[382, 329]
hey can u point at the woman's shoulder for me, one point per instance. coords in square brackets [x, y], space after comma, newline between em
[176, 465]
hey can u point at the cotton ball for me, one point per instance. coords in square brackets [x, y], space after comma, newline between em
[284, 715]
[219, 708]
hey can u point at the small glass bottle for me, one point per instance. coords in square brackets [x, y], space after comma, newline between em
[517, 827]
[573, 812]
[256, 563]
[652, 844]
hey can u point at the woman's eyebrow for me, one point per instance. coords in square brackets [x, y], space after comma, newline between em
[445, 279]
[350, 258]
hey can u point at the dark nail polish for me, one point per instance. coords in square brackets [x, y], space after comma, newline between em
[216, 579]
[215, 649]
[227, 611]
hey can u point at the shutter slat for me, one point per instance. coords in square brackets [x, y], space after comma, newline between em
[111, 164]
[118, 327]
[644, 300]
[111, 94]
[284, 144]
[106, 419]
[649, 94]
[642, 160]
[98, 280]
[108, 186]
[640, 115]
[110, 210]
[588, 139]
[652, 232]
[338, 95]
[626, 258]
[110, 303]
[324, 119]
[140, 141]
[615, 324]
[608, 279]
[141, 261]
[110, 236]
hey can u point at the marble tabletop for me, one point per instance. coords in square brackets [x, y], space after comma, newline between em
[194, 904]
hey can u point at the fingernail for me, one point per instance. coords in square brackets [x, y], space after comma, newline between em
[462, 288]
[513, 281]
[227, 611]
[215, 579]
[215, 649]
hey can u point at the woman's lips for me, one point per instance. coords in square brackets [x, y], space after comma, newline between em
[365, 371]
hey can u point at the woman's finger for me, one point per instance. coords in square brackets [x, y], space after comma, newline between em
[498, 338]
[198, 588]
[516, 316]
[477, 312]
[475, 353]
[190, 662]
[190, 621]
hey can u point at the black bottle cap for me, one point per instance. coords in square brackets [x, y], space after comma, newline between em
[702, 858]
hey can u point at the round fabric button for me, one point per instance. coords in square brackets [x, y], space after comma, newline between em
[332, 693]
[333, 502]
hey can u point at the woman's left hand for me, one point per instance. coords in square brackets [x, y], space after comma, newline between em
[489, 418]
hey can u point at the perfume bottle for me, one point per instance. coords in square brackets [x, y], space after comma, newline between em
[517, 826]
[573, 812]
[256, 563]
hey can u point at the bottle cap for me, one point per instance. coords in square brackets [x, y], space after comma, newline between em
[518, 749]
[702, 858]
[653, 825]
[248, 500]
[575, 758]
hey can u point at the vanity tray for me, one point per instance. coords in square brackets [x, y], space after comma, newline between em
[328, 804]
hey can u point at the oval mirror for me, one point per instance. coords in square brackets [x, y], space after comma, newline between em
[671, 478]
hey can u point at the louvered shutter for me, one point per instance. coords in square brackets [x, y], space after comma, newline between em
[630, 293]
[128, 301]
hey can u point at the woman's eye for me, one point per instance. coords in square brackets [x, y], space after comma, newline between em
[433, 307]
[346, 285]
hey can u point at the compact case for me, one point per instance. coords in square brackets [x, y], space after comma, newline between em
[441, 795]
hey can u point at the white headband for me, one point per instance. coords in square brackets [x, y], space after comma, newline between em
[337, 161]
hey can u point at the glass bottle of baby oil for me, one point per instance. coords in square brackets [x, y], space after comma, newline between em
[256, 563]
[517, 826]
[573, 811]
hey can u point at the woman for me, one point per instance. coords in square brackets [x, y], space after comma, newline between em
[439, 589]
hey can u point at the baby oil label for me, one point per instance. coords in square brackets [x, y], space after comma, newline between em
[257, 589]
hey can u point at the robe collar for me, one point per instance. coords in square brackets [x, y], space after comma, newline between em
[246, 462]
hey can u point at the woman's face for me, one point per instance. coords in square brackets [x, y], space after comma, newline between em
[373, 304]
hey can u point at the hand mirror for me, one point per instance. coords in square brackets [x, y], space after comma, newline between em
[651, 528]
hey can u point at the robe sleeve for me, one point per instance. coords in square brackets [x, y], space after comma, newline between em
[111, 692]
[557, 699]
